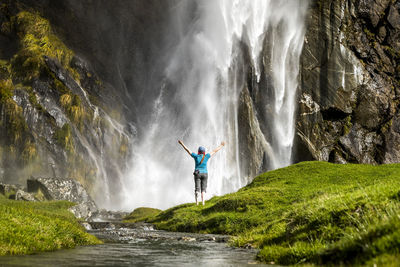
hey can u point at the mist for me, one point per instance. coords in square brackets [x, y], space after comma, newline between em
[196, 97]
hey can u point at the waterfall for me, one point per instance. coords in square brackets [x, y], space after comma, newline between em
[197, 100]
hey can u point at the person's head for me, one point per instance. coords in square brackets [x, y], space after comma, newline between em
[201, 150]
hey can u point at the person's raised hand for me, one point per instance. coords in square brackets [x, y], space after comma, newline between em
[222, 143]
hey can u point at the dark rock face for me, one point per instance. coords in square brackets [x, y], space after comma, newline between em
[64, 189]
[253, 145]
[350, 82]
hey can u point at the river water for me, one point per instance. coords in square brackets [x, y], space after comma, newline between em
[143, 248]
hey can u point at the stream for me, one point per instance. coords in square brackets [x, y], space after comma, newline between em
[141, 245]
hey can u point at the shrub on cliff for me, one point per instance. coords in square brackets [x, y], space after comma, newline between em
[37, 40]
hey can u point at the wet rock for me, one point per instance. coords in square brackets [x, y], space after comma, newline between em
[187, 239]
[349, 87]
[382, 33]
[111, 226]
[394, 17]
[249, 246]
[361, 144]
[108, 216]
[64, 189]
[392, 141]
[254, 145]
[338, 159]
[22, 195]
[10, 190]
[373, 107]
[121, 232]
[2, 189]
[95, 225]
[308, 106]
[372, 10]
[87, 226]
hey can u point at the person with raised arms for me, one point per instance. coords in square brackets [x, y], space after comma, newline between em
[200, 171]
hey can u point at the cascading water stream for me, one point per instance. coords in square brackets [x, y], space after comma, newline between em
[198, 99]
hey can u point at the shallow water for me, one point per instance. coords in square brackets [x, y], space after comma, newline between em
[142, 252]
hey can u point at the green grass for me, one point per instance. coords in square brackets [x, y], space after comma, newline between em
[141, 214]
[31, 227]
[311, 212]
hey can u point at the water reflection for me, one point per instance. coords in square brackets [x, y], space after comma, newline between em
[141, 252]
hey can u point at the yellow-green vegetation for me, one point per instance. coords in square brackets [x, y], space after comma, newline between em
[74, 109]
[4, 69]
[347, 125]
[84, 172]
[369, 34]
[141, 214]
[30, 152]
[30, 227]
[312, 212]
[64, 138]
[37, 40]
[6, 88]
[15, 121]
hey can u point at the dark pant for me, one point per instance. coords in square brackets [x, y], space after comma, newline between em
[200, 182]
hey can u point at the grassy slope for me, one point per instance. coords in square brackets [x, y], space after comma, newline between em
[313, 212]
[141, 214]
[29, 227]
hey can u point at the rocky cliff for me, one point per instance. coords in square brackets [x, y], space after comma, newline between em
[350, 83]
[57, 116]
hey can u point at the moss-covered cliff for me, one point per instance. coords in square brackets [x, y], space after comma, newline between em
[350, 83]
[57, 118]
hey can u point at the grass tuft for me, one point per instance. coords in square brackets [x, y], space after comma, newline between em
[141, 214]
[31, 227]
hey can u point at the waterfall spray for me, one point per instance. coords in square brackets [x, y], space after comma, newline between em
[198, 99]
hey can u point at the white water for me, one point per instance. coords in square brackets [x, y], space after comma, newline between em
[198, 102]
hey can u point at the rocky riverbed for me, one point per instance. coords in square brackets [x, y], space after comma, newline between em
[127, 232]
[141, 245]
